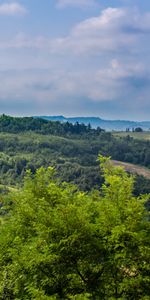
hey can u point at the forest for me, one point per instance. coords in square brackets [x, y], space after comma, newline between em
[72, 225]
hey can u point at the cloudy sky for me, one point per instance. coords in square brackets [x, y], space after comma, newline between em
[75, 58]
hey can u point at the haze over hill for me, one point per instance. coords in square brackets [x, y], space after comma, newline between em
[109, 125]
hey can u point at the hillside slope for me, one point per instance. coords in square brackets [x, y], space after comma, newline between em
[134, 169]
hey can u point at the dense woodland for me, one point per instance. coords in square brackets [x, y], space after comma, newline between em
[71, 229]
[39, 125]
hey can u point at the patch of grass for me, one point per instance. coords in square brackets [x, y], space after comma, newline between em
[145, 135]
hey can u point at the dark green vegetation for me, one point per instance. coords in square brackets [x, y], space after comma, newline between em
[17, 125]
[29, 143]
[59, 243]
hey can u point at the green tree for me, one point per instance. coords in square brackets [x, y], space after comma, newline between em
[60, 243]
[138, 129]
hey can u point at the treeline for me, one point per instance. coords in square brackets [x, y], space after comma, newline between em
[39, 125]
[129, 149]
[124, 149]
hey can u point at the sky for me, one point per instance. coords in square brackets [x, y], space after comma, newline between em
[75, 58]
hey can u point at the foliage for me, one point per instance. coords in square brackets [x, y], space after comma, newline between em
[39, 125]
[138, 129]
[75, 157]
[29, 143]
[60, 243]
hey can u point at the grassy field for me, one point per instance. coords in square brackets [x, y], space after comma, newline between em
[145, 135]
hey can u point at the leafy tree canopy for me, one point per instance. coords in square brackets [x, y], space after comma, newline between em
[60, 243]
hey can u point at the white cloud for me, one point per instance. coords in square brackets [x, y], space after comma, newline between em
[76, 3]
[101, 60]
[114, 30]
[51, 84]
[22, 40]
[12, 9]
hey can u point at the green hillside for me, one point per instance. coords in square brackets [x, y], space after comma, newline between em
[28, 143]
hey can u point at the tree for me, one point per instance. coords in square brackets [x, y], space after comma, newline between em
[60, 243]
[138, 129]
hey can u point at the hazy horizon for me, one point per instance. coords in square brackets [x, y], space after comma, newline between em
[75, 58]
[77, 116]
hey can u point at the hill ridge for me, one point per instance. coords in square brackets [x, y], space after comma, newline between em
[120, 125]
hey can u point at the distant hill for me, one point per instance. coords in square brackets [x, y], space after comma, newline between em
[118, 125]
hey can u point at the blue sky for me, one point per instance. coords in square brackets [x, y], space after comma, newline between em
[75, 58]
